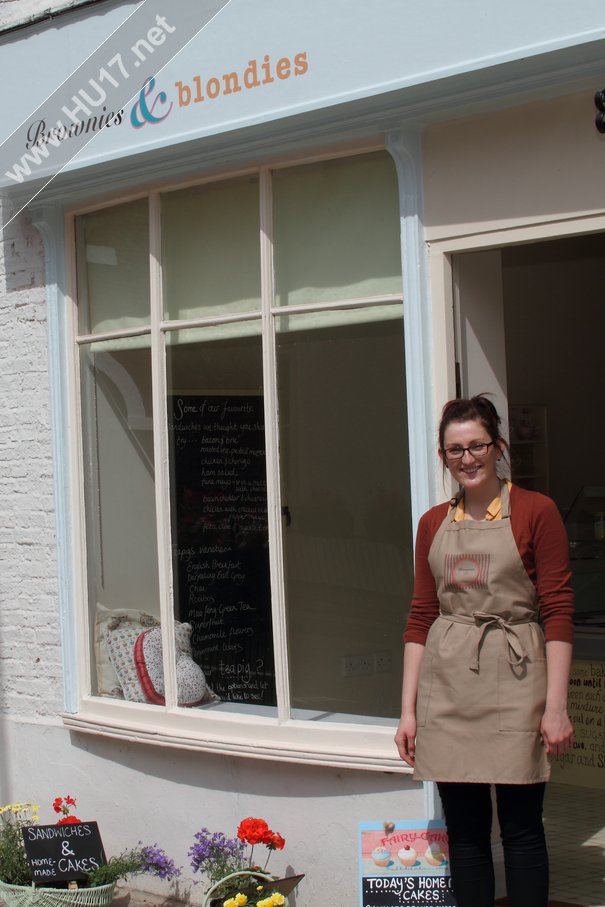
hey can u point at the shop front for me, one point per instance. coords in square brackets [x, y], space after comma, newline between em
[298, 239]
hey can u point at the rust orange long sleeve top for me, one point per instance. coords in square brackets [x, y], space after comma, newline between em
[542, 541]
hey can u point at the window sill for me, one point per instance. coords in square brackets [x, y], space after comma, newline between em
[364, 746]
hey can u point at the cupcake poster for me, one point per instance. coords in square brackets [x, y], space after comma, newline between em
[404, 863]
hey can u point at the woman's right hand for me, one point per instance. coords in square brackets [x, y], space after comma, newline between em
[405, 738]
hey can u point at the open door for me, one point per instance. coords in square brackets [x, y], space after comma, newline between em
[530, 323]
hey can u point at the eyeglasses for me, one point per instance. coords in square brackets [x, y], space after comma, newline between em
[478, 449]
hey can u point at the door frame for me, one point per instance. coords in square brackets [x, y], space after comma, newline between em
[441, 276]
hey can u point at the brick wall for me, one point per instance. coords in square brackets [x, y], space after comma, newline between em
[30, 658]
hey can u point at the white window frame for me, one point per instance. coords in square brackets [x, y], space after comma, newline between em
[365, 742]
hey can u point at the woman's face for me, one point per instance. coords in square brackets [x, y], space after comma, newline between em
[471, 471]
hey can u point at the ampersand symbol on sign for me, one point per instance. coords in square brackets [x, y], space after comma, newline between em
[65, 851]
[143, 112]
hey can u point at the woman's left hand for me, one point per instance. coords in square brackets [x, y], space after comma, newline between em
[557, 731]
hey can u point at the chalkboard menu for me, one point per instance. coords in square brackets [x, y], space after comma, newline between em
[583, 764]
[62, 852]
[220, 540]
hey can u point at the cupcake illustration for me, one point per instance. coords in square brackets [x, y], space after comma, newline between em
[407, 855]
[434, 855]
[381, 856]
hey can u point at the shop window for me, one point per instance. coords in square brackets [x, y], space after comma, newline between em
[245, 457]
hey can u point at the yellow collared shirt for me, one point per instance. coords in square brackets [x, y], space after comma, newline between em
[493, 512]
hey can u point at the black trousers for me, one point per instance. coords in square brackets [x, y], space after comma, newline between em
[468, 816]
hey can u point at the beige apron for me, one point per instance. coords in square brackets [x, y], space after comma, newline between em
[482, 686]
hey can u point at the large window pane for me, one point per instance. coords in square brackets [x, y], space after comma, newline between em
[210, 249]
[347, 524]
[336, 230]
[342, 437]
[113, 268]
[219, 509]
[119, 492]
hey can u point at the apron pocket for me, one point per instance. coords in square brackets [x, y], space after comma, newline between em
[521, 694]
[424, 690]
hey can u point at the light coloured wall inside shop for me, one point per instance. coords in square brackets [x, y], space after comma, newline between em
[554, 291]
[125, 560]
[348, 565]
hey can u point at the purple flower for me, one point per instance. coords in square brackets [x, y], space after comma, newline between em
[216, 855]
[157, 862]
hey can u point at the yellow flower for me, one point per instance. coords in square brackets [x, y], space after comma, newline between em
[9, 808]
[277, 899]
[20, 811]
[230, 902]
[240, 900]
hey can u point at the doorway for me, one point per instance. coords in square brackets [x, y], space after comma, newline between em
[530, 329]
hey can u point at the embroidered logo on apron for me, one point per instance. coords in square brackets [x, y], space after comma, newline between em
[466, 571]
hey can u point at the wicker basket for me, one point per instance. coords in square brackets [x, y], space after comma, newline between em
[245, 880]
[27, 895]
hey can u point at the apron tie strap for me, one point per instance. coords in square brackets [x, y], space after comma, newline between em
[515, 652]
[482, 621]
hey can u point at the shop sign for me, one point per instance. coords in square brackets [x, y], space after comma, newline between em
[404, 864]
[166, 75]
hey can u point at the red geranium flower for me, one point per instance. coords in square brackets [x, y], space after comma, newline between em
[275, 842]
[64, 805]
[253, 831]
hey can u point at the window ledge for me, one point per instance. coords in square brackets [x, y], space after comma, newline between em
[365, 747]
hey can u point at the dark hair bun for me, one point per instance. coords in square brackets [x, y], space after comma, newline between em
[463, 409]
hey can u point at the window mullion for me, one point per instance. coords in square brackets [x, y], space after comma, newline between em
[272, 451]
[160, 448]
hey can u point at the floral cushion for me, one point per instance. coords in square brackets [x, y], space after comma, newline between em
[120, 646]
[120, 638]
[192, 688]
[112, 619]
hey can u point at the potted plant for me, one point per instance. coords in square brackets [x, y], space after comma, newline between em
[18, 889]
[235, 880]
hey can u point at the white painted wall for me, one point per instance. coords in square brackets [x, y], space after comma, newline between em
[155, 794]
[526, 165]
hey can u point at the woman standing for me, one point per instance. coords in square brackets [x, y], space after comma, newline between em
[485, 687]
